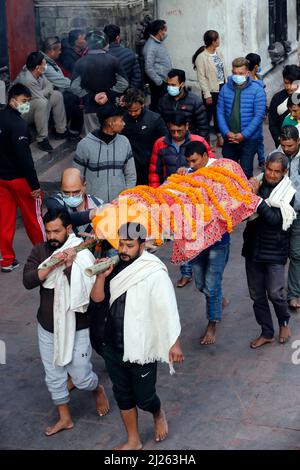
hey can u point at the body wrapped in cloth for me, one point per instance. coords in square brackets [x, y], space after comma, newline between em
[194, 210]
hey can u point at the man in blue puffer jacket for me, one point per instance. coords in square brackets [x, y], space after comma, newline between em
[241, 109]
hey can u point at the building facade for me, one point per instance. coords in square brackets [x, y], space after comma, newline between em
[58, 17]
[267, 27]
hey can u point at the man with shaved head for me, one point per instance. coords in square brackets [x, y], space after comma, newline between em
[73, 197]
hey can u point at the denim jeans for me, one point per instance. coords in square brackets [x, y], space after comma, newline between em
[266, 280]
[186, 270]
[208, 269]
[242, 153]
[261, 151]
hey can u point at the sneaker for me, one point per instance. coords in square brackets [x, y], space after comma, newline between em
[8, 269]
[45, 146]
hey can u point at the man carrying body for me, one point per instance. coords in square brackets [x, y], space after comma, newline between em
[209, 265]
[135, 323]
[290, 146]
[74, 199]
[266, 246]
[63, 325]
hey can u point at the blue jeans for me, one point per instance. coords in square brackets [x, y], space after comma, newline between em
[186, 270]
[261, 151]
[242, 153]
[208, 269]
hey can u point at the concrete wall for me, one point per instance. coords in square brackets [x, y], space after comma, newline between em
[58, 17]
[243, 26]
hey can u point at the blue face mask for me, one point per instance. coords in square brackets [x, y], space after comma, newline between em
[173, 90]
[73, 201]
[239, 79]
[259, 70]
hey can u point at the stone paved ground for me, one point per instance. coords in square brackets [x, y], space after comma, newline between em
[225, 396]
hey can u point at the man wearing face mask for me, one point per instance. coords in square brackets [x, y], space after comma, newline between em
[44, 100]
[157, 61]
[19, 185]
[241, 109]
[179, 99]
[73, 198]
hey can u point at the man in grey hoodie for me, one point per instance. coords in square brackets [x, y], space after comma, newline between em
[104, 157]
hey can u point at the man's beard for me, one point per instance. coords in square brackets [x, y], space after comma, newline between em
[56, 244]
[127, 260]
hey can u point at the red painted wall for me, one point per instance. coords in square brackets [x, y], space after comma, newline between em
[21, 36]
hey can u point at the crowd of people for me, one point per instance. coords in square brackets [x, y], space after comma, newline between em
[90, 87]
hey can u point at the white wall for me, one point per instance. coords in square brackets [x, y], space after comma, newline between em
[243, 26]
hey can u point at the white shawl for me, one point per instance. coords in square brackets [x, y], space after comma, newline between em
[68, 299]
[281, 197]
[151, 320]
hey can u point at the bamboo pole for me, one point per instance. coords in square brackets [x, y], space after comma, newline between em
[82, 246]
[102, 266]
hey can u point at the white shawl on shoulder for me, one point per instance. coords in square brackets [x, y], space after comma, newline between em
[68, 299]
[151, 321]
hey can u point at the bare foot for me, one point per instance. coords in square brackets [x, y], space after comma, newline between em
[294, 303]
[284, 334]
[130, 446]
[59, 426]
[225, 302]
[260, 341]
[210, 334]
[160, 426]
[102, 405]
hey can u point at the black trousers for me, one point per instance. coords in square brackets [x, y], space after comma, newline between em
[156, 93]
[73, 111]
[266, 281]
[133, 384]
[142, 173]
[211, 111]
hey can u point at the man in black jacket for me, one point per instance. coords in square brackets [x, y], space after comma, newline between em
[179, 99]
[265, 248]
[278, 107]
[142, 128]
[19, 185]
[97, 78]
[128, 59]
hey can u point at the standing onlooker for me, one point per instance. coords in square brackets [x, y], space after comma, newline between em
[241, 109]
[104, 157]
[179, 99]
[290, 145]
[157, 61]
[73, 48]
[142, 128]
[74, 113]
[128, 60]
[19, 185]
[44, 99]
[293, 118]
[266, 247]
[97, 78]
[255, 70]
[211, 72]
[278, 109]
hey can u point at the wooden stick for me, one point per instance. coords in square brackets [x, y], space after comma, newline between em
[82, 246]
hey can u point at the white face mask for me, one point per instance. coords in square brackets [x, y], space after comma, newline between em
[23, 108]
